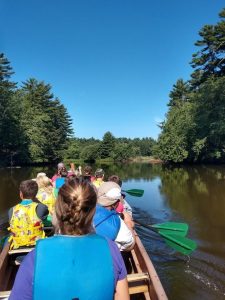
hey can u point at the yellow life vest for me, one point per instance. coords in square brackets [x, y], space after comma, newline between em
[47, 199]
[97, 182]
[25, 226]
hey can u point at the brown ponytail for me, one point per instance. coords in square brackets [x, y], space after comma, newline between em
[75, 207]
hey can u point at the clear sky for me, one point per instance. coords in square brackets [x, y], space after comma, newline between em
[112, 63]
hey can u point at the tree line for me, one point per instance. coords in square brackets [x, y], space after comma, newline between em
[110, 147]
[194, 128]
[35, 127]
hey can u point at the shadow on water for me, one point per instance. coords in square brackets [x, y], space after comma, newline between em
[194, 195]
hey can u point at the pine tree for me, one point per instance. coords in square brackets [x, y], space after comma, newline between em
[210, 60]
[107, 145]
[10, 133]
[45, 122]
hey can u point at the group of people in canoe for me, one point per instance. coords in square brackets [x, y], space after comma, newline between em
[93, 227]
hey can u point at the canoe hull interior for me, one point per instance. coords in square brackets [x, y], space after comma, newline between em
[143, 280]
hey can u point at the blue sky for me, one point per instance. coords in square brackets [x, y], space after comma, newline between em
[111, 63]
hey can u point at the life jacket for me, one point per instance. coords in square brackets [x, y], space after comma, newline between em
[97, 182]
[60, 182]
[106, 222]
[25, 226]
[47, 199]
[73, 267]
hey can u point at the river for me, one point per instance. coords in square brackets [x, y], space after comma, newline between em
[190, 194]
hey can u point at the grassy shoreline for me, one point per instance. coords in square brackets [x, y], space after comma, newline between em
[139, 159]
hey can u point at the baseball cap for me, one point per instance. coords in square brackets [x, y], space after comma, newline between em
[108, 193]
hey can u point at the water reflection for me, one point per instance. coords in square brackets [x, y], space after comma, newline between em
[194, 195]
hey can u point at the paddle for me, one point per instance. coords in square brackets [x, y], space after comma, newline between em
[179, 243]
[134, 192]
[174, 239]
[167, 227]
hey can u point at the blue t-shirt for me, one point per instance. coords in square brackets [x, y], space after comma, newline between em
[23, 285]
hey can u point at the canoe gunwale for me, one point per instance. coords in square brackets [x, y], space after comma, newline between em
[143, 265]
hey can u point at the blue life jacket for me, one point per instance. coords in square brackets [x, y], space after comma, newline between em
[106, 222]
[73, 268]
[59, 182]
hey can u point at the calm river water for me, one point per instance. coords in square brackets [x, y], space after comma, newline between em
[194, 195]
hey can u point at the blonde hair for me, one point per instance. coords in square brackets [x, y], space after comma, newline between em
[75, 207]
[44, 183]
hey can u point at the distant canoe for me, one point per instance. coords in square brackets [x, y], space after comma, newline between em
[143, 280]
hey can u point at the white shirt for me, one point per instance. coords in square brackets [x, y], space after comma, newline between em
[124, 237]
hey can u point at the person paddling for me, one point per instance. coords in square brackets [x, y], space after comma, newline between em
[76, 263]
[123, 208]
[106, 220]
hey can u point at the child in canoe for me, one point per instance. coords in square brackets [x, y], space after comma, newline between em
[45, 192]
[25, 219]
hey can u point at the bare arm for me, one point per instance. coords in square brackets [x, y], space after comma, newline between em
[128, 220]
[122, 292]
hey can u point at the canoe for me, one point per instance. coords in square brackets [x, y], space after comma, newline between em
[143, 280]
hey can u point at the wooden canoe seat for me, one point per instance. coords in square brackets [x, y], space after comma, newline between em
[137, 277]
[138, 283]
[20, 250]
[5, 294]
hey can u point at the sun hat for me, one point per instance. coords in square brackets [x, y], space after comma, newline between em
[108, 193]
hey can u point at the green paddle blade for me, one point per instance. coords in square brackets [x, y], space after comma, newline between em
[48, 221]
[134, 192]
[167, 227]
[179, 243]
[172, 227]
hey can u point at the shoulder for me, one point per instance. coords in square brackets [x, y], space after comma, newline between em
[41, 210]
[118, 263]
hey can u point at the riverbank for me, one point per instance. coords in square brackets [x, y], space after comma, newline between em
[137, 159]
[146, 159]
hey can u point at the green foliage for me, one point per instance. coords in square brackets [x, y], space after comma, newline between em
[44, 120]
[107, 145]
[90, 153]
[73, 149]
[210, 59]
[179, 93]
[10, 144]
[34, 127]
[118, 149]
[210, 116]
[122, 152]
[178, 130]
[194, 129]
